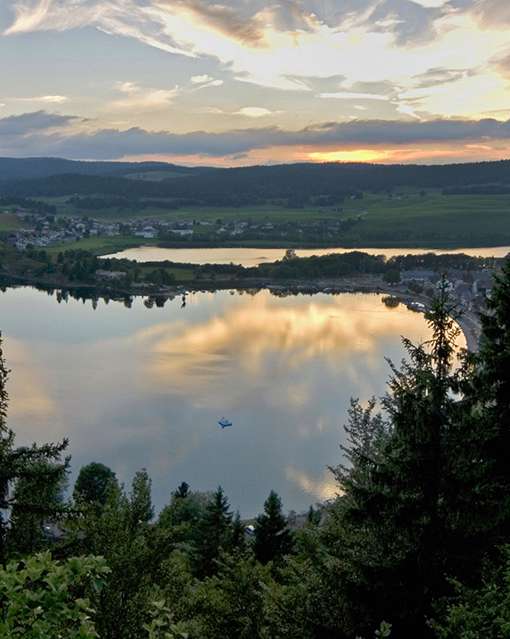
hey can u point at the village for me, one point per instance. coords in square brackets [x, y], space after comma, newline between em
[41, 229]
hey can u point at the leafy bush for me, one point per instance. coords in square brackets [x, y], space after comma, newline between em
[42, 598]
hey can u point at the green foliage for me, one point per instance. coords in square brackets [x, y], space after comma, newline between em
[33, 501]
[393, 532]
[273, 539]
[182, 517]
[392, 276]
[117, 533]
[479, 612]
[230, 605]
[215, 533]
[384, 631]
[140, 500]
[161, 624]
[42, 598]
[93, 483]
[36, 473]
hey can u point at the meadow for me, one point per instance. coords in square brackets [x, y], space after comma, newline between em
[426, 219]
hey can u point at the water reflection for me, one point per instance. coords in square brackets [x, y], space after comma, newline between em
[144, 387]
[255, 256]
[264, 333]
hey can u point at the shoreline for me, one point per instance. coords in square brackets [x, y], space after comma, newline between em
[111, 246]
[468, 321]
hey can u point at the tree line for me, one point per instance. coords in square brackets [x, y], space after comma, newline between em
[293, 184]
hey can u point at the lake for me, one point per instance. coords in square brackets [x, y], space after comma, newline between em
[145, 387]
[255, 256]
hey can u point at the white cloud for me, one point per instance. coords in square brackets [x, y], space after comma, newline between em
[211, 110]
[271, 43]
[350, 95]
[143, 98]
[41, 99]
[51, 99]
[254, 112]
[201, 79]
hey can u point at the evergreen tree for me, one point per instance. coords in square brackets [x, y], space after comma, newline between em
[273, 539]
[141, 507]
[182, 491]
[114, 533]
[238, 533]
[390, 531]
[27, 533]
[487, 395]
[37, 466]
[93, 483]
[230, 604]
[215, 533]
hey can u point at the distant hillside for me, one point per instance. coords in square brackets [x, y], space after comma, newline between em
[295, 183]
[35, 168]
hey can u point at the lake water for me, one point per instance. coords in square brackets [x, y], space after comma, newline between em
[144, 387]
[255, 256]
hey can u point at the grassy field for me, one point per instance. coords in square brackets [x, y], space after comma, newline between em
[408, 219]
[444, 220]
[100, 245]
[9, 222]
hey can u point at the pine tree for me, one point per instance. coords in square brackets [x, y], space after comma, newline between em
[480, 459]
[390, 531]
[182, 491]
[238, 533]
[490, 399]
[215, 532]
[38, 466]
[273, 539]
[93, 483]
[140, 500]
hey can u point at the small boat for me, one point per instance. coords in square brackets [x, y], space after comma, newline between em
[224, 423]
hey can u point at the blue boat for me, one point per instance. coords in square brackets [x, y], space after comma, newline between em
[224, 423]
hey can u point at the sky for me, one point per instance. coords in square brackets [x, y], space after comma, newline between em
[200, 82]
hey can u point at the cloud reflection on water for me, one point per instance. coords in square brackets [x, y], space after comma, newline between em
[145, 387]
[260, 337]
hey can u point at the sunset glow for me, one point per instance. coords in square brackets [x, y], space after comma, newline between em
[358, 155]
[261, 82]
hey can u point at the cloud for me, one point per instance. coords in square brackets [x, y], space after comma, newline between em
[212, 83]
[321, 489]
[352, 95]
[321, 46]
[438, 76]
[39, 121]
[492, 13]
[502, 65]
[411, 23]
[142, 98]
[43, 133]
[201, 79]
[128, 18]
[254, 112]
[225, 19]
[45, 99]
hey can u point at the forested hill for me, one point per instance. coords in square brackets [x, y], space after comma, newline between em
[242, 185]
[34, 168]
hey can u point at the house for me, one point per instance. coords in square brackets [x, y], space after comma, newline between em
[109, 275]
[483, 283]
[182, 232]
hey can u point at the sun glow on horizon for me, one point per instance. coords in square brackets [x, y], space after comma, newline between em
[354, 155]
